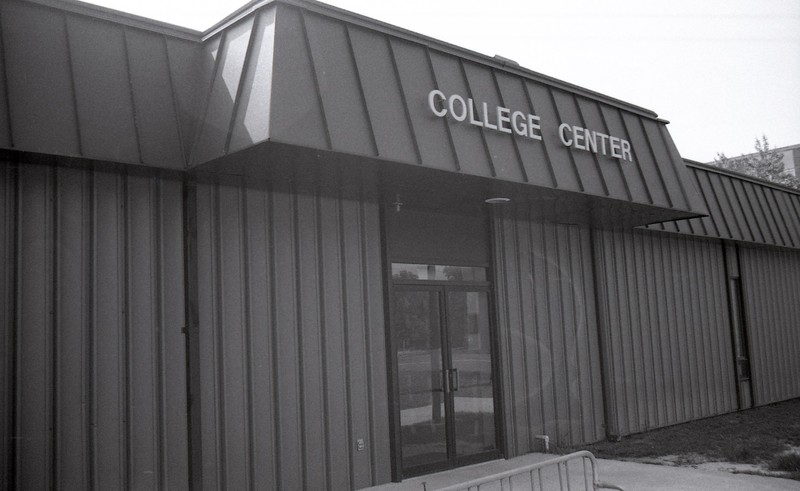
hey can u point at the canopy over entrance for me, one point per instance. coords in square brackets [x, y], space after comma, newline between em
[124, 89]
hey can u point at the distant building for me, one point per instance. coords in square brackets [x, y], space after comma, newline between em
[791, 157]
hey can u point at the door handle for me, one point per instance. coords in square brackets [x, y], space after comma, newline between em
[445, 381]
[454, 381]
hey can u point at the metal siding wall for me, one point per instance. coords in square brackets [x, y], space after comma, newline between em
[771, 282]
[664, 315]
[7, 296]
[213, 137]
[329, 68]
[40, 92]
[99, 369]
[292, 340]
[742, 209]
[549, 346]
[78, 85]
[251, 120]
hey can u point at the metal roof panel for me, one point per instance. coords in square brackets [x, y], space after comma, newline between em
[742, 208]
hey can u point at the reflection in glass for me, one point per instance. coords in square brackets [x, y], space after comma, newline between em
[437, 272]
[468, 328]
[417, 336]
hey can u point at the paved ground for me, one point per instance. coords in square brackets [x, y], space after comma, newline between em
[633, 476]
[630, 476]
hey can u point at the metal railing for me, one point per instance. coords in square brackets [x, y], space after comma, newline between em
[565, 473]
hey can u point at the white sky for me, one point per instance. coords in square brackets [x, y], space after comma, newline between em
[723, 72]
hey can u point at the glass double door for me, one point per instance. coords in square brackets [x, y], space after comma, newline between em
[445, 376]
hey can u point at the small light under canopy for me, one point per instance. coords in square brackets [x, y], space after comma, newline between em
[496, 201]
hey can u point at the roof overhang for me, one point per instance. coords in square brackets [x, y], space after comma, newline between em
[313, 78]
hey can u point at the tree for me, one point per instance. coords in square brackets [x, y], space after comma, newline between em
[765, 164]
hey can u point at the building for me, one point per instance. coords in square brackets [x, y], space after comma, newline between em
[790, 157]
[309, 250]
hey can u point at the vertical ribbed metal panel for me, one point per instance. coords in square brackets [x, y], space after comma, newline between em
[770, 284]
[548, 337]
[190, 73]
[741, 208]
[99, 394]
[6, 138]
[78, 85]
[40, 91]
[292, 354]
[344, 84]
[230, 63]
[665, 321]
[103, 96]
[7, 296]
[251, 120]
[157, 122]
[297, 105]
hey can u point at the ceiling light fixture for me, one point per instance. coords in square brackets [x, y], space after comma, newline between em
[497, 201]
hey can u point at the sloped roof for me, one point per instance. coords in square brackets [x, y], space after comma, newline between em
[82, 81]
[741, 208]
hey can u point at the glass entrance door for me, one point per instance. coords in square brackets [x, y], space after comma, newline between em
[446, 396]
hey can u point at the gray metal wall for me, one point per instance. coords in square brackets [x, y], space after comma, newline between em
[81, 85]
[328, 69]
[549, 351]
[741, 208]
[666, 330]
[292, 350]
[91, 311]
[771, 296]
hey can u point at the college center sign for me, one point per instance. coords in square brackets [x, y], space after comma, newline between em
[526, 125]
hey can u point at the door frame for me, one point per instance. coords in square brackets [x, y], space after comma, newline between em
[442, 287]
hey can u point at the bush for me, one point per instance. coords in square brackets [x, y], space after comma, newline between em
[786, 462]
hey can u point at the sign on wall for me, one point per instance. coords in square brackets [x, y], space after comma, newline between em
[525, 125]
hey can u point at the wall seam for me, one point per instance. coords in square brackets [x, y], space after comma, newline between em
[4, 80]
[73, 92]
[363, 95]
[237, 98]
[247, 344]
[191, 333]
[175, 104]
[160, 437]
[598, 272]
[54, 353]
[131, 97]
[310, 53]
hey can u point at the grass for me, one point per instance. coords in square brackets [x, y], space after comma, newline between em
[762, 436]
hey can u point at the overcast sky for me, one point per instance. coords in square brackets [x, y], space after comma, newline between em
[723, 72]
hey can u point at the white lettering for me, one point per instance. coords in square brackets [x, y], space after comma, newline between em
[506, 120]
[519, 129]
[579, 134]
[591, 141]
[432, 103]
[451, 104]
[486, 121]
[585, 139]
[603, 139]
[533, 124]
[566, 141]
[626, 151]
[472, 120]
[615, 146]
[502, 118]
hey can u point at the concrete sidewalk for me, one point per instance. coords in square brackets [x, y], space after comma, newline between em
[631, 476]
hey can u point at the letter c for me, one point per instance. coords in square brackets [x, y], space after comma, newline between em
[566, 141]
[432, 103]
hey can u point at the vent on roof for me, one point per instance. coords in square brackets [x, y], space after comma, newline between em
[505, 61]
